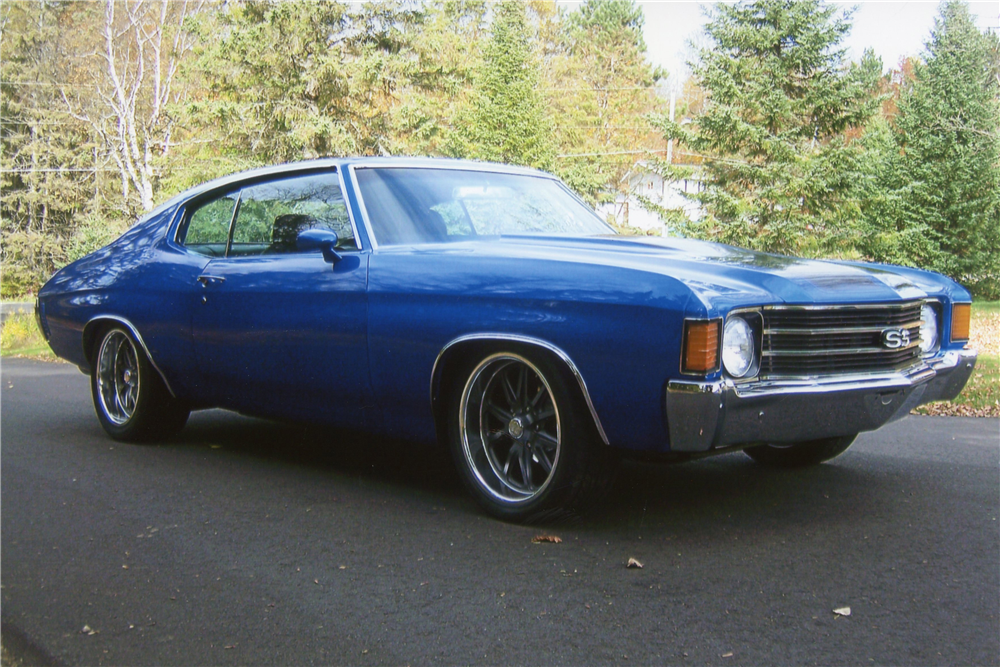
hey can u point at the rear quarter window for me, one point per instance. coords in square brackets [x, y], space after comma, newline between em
[207, 229]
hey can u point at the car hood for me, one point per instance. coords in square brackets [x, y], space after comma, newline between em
[723, 276]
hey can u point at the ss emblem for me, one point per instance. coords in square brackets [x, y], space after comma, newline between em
[895, 338]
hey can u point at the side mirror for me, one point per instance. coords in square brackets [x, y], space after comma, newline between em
[324, 240]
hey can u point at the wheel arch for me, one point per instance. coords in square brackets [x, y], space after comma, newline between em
[96, 325]
[459, 348]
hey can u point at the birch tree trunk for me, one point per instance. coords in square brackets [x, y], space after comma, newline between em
[142, 45]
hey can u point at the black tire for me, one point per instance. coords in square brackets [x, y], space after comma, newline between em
[131, 400]
[800, 454]
[523, 439]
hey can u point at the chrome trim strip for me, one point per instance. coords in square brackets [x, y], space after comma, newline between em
[758, 341]
[135, 332]
[831, 351]
[350, 209]
[899, 305]
[364, 210]
[309, 171]
[827, 383]
[938, 308]
[514, 338]
[232, 224]
[454, 165]
[953, 358]
[174, 225]
[810, 378]
[819, 331]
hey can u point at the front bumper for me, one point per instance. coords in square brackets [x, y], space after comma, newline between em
[702, 416]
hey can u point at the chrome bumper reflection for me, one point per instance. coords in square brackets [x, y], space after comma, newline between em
[710, 415]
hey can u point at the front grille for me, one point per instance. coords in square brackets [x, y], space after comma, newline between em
[818, 341]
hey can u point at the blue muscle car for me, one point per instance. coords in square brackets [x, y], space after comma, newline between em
[488, 309]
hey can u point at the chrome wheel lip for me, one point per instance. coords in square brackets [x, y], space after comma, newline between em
[474, 440]
[118, 377]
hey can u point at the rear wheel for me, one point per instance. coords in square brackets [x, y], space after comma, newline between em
[800, 454]
[524, 444]
[130, 398]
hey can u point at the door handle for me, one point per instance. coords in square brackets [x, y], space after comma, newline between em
[207, 280]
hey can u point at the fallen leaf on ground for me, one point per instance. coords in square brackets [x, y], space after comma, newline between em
[843, 611]
[633, 563]
[546, 538]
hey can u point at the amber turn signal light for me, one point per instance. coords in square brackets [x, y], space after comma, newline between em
[961, 313]
[701, 346]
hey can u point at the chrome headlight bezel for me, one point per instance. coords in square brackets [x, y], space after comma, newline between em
[930, 329]
[739, 347]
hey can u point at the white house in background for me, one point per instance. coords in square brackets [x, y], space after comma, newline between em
[628, 210]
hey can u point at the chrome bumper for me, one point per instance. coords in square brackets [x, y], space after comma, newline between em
[708, 415]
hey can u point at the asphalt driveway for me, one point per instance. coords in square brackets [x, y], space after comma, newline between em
[247, 542]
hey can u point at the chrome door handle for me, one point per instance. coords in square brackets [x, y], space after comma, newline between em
[207, 280]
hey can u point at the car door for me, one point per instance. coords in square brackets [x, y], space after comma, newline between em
[279, 332]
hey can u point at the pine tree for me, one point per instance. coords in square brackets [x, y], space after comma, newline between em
[49, 175]
[508, 119]
[447, 47]
[287, 81]
[949, 128]
[602, 89]
[883, 232]
[780, 98]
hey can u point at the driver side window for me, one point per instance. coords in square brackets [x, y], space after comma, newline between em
[271, 215]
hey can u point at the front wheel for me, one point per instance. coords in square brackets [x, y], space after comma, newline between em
[800, 454]
[523, 441]
[131, 400]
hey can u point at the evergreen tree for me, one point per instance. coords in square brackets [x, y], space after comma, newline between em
[508, 119]
[275, 86]
[602, 88]
[288, 81]
[883, 232]
[780, 98]
[447, 48]
[50, 175]
[949, 128]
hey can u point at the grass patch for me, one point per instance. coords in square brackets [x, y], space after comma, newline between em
[985, 307]
[20, 337]
[980, 398]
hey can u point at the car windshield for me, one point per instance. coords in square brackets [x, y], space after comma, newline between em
[412, 206]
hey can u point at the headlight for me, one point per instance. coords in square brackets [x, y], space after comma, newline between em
[737, 347]
[929, 329]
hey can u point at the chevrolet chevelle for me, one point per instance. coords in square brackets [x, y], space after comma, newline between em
[486, 308]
